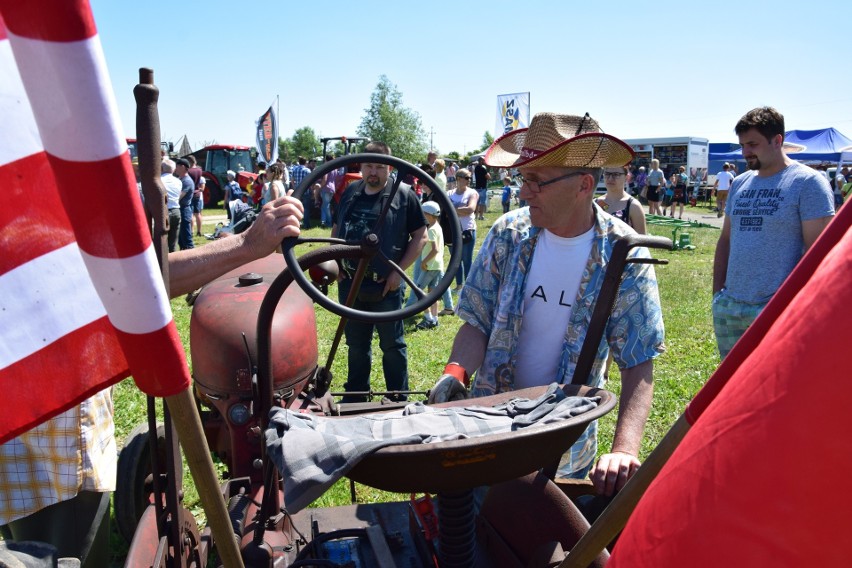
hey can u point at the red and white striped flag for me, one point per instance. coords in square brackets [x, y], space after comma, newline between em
[82, 301]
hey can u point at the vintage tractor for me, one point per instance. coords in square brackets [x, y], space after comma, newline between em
[349, 144]
[254, 349]
[215, 161]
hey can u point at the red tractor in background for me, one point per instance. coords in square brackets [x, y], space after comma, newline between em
[215, 161]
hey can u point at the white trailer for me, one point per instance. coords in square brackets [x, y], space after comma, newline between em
[687, 151]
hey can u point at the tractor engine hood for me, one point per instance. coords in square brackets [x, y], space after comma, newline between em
[227, 308]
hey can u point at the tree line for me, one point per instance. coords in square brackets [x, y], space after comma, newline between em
[388, 120]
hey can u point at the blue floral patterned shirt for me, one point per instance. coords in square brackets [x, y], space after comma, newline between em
[492, 302]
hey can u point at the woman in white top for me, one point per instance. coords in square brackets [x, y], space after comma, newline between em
[274, 188]
[464, 200]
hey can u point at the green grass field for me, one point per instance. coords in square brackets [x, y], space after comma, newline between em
[690, 359]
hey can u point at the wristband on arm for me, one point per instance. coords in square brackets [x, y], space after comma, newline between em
[459, 372]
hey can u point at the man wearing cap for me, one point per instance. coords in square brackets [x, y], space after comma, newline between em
[182, 166]
[527, 303]
[402, 236]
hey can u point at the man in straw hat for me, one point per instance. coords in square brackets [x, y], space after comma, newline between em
[526, 315]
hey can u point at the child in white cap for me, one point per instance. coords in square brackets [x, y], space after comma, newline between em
[431, 261]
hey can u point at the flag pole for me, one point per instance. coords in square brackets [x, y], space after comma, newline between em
[182, 407]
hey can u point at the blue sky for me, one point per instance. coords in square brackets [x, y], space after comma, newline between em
[642, 69]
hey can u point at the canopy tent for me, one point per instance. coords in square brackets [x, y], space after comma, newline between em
[823, 145]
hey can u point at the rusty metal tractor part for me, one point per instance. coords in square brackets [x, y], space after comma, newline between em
[224, 357]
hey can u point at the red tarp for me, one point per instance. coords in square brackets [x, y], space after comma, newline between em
[760, 478]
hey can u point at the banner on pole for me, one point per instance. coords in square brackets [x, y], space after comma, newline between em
[513, 112]
[267, 136]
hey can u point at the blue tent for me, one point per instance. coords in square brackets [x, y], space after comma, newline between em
[822, 145]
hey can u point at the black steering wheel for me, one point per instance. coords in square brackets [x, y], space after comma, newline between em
[369, 247]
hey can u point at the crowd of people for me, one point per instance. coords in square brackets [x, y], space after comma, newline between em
[525, 299]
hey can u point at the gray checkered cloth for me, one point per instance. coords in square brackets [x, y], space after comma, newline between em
[312, 452]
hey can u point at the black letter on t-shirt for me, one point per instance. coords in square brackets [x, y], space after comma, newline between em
[562, 299]
[539, 292]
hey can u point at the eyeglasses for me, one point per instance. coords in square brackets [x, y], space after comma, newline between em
[462, 177]
[535, 186]
[613, 175]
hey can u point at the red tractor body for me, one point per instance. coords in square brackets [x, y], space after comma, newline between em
[223, 348]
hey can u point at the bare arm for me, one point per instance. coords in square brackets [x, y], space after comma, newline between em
[469, 348]
[723, 252]
[811, 229]
[637, 217]
[470, 208]
[637, 393]
[430, 255]
[193, 268]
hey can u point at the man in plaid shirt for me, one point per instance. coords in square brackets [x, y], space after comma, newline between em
[300, 172]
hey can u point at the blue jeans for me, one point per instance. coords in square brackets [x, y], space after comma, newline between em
[466, 260]
[412, 297]
[185, 234]
[359, 338]
[325, 212]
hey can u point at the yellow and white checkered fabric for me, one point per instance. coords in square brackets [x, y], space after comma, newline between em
[55, 460]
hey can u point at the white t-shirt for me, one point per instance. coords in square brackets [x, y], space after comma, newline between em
[463, 200]
[551, 288]
[725, 179]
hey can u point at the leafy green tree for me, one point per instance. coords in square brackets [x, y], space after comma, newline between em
[285, 149]
[337, 148]
[487, 140]
[304, 143]
[392, 123]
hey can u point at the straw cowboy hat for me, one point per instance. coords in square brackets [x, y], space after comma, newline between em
[560, 140]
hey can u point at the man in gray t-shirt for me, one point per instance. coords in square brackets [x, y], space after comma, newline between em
[774, 214]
